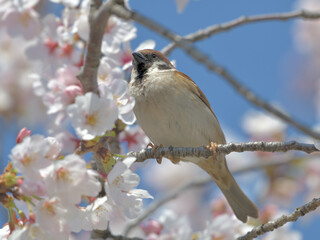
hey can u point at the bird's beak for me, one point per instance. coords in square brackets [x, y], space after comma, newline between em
[139, 58]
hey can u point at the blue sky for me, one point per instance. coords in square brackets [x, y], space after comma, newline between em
[262, 56]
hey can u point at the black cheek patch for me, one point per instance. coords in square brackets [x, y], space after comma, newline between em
[141, 70]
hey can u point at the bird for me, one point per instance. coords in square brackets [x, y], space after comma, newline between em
[173, 111]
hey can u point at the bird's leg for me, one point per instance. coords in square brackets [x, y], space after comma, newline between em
[154, 148]
[212, 147]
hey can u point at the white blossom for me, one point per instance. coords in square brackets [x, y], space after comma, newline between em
[119, 189]
[262, 125]
[57, 220]
[97, 215]
[69, 179]
[92, 116]
[224, 226]
[29, 156]
[111, 81]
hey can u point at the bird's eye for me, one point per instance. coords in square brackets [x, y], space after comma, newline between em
[154, 55]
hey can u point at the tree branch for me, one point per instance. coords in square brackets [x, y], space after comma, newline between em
[206, 33]
[198, 183]
[222, 148]
[274, 224]
[98, 18]
[212, 66]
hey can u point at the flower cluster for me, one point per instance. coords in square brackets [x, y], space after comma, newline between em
[54, 186]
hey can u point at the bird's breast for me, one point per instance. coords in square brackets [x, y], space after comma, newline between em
[171, 114]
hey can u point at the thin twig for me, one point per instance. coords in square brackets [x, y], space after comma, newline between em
[212, 66]
[198, 183]
[98, 18]
[209, 31]
[157, 204]
[222, 148]
[274, 224]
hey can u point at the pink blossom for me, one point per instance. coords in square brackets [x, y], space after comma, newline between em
[134, 137]
[124, 57]
[152, 227]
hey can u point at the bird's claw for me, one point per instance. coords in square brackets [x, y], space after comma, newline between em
[154, 148]
[213, 147]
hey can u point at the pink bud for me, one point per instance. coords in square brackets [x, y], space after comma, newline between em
[152, 227]
[73, 91]
[24, 132]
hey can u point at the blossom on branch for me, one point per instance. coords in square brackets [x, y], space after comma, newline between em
[92, 116]
[119, 188]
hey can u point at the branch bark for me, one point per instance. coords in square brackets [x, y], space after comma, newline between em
[98, 18]
[222, 148]
[199, 56]
[218, 28]
[274, 224]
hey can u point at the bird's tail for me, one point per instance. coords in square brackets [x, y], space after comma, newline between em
[241, 205]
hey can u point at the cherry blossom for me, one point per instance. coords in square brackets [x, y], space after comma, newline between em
[57, 220]
[20, 18]
[97, 215]
[117, 31]
[69, 179]
[124, 57]
[119, 188]
[4, 231]
[24, 132]
[263, 126]
[30, 231]
[134, 137]
[29, 156]
[59, 92]
[69, 3]
[111, 81]
[92, 116]
[181, 4]
[174, 226]
[224, 226]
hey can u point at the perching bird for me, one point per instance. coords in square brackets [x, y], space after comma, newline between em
[173, 111]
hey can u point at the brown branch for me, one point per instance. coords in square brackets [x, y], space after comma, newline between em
[209, 31]
[98, 18]
[154, 206]
[212, 66]
[198, 183]
[274, 224]
[222, 148]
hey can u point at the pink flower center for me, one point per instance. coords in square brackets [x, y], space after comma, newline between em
[51, 45]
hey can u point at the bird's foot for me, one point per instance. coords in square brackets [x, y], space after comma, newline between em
[213, 147]
[154, 148]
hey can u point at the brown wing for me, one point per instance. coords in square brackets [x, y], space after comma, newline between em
[220, 138]
[195, 89]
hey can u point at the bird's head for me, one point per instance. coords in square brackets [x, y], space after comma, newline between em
[148, 61]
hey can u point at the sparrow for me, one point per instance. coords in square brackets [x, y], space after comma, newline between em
[173, 111]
